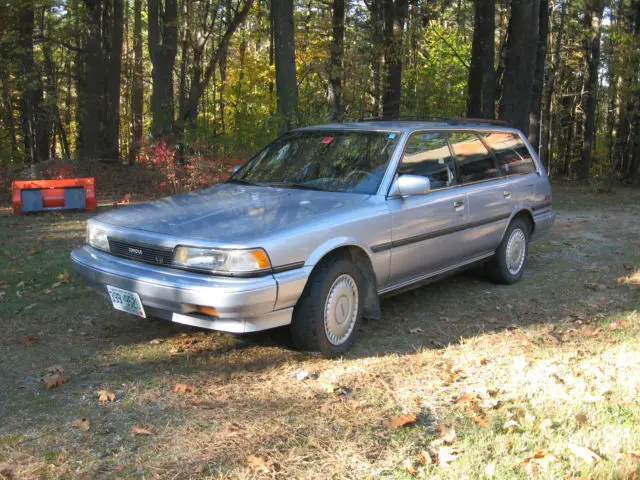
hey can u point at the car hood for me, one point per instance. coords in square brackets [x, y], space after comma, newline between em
[231, 213]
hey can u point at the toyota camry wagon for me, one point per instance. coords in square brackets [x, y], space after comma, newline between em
[319, 224]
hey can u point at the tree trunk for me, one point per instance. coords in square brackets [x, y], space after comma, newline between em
[377, 52]
[93, 87]
[163, 47]
[8, 107]
[545, 144]
[112, 111]
[482, 74]
[137, 88]
[593, 25]
[285, 59]
[29, 80]
[538, 80]
[336, 67]
[395, 14]
[520, 60]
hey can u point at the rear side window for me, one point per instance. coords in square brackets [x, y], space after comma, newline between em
[428, 155]
[512, 153]
[473, 161]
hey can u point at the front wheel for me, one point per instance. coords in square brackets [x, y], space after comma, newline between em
[507, 266]
[329, 311]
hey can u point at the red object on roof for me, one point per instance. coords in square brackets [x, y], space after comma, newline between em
[41, 195]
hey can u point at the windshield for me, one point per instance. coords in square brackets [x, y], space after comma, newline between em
[339, 161]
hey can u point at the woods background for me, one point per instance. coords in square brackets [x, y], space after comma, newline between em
[173, 82]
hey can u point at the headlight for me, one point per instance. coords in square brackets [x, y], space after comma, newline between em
[222, 261]
[97, 237]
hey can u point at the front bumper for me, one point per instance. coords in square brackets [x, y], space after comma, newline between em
[243, 304]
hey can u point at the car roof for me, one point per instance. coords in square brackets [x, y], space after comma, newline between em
[410, 126]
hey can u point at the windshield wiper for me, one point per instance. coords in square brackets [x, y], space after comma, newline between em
[299, 186]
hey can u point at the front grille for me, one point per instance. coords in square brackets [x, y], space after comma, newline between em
[141, 253]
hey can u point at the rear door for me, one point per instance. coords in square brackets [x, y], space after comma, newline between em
[427, 230]
[490, 194]
[516, 163]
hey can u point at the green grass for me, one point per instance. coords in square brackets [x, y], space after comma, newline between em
[526, 353]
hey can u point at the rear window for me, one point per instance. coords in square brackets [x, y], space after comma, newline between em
[512, 153]
[473, 161]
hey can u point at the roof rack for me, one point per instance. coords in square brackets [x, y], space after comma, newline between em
[447, 120]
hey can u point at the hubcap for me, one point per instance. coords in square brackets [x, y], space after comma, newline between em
[516, 251]
[341, 309]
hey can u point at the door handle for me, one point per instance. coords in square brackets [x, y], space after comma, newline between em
[508, 194]
[459, 206]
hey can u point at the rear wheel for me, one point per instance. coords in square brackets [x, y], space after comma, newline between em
[507, 266]
[329, 311]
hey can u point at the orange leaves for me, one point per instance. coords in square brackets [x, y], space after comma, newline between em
[540, 459]
[54, 378]
[105, 396]
[259, 464]
[183, 388]
[400, 421]
[142, 431]
[54, 381]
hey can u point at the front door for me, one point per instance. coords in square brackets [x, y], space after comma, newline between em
[427, 230]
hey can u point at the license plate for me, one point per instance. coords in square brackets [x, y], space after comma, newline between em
[126, 301]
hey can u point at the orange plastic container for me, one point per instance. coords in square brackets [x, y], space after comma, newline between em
[65, 194]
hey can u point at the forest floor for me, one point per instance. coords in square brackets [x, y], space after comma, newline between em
[459, 379]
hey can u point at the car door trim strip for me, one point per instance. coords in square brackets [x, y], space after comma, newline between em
[439, 233]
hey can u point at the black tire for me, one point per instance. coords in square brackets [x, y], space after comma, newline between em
[308, 323]
[497, 268]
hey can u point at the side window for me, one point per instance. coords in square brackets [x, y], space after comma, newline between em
[473, 161]
[428, 155]
[513, 156]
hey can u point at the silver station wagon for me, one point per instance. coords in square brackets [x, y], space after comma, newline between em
[319, 224]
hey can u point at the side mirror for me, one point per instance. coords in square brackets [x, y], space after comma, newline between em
[410, 185]
[236, 168]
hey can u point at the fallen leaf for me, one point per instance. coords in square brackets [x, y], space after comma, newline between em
[584, 453]
[541, 458]
[156, 341]
[55, 369]
[446, 455]
[400, 421]
[53, 381]
[259, 464]
[105, 396]
[416, 331]
[64, 276]
[302, 375]
[544, 424]
[447, 434]
[81, 424]
[199, 468]
[135, 430]
[425, 458]
[184, 388]
[29, 340]
[329, 387]
[510, 424]
[480, 420]
[409, 467]
[581, 419]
